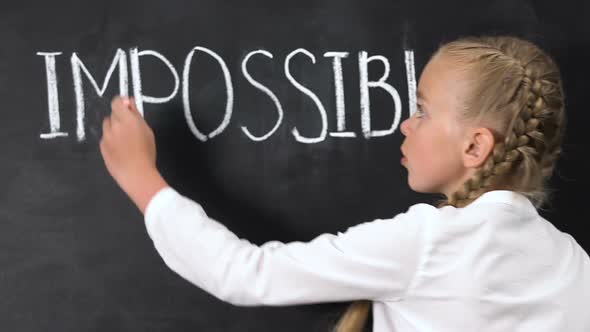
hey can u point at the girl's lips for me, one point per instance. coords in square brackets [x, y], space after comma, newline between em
[403, 159]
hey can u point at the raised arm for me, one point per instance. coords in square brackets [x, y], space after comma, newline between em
[374, 260]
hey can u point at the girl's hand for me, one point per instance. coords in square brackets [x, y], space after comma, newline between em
[128, 148]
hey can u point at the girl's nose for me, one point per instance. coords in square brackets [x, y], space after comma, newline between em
[405, 126]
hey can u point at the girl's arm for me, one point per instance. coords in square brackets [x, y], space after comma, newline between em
[374, 260]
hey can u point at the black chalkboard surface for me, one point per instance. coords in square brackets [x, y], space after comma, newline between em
[251, 120]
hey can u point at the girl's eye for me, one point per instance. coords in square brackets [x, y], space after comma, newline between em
[420, 113]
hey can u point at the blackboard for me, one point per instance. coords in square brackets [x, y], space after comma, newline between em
[74, 253]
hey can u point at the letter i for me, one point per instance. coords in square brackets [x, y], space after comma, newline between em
[52, 97]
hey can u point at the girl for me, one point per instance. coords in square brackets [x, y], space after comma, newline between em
[487, 134]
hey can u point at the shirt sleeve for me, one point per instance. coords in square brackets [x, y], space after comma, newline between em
[374, 260]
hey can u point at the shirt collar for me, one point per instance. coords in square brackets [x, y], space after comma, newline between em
[505, 196]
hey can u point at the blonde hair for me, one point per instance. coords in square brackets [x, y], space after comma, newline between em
[515, 90]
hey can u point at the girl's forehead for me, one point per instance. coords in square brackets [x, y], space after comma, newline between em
[440, 81]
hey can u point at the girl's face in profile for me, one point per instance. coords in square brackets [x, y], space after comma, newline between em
[432, 146]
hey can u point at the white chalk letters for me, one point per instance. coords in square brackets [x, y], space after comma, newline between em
[119, 62]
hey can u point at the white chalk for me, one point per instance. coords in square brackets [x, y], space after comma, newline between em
[365, 84]
[185, 94]
[266, 91]
[140, 98]
[120, 60]
[313, 97]
[52, 97]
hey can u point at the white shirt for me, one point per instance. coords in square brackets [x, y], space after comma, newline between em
[495, 265]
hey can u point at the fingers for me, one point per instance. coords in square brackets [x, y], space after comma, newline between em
[132, 106]
[123, 107]
[117, 102]
[124, 113]
[118, 109]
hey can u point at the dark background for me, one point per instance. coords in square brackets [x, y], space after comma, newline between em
[74, 253]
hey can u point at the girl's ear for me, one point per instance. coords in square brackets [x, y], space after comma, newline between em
[478, 146]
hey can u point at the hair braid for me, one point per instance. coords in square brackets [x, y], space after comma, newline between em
[516, 147]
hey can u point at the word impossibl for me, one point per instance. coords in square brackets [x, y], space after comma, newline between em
[120, 61]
